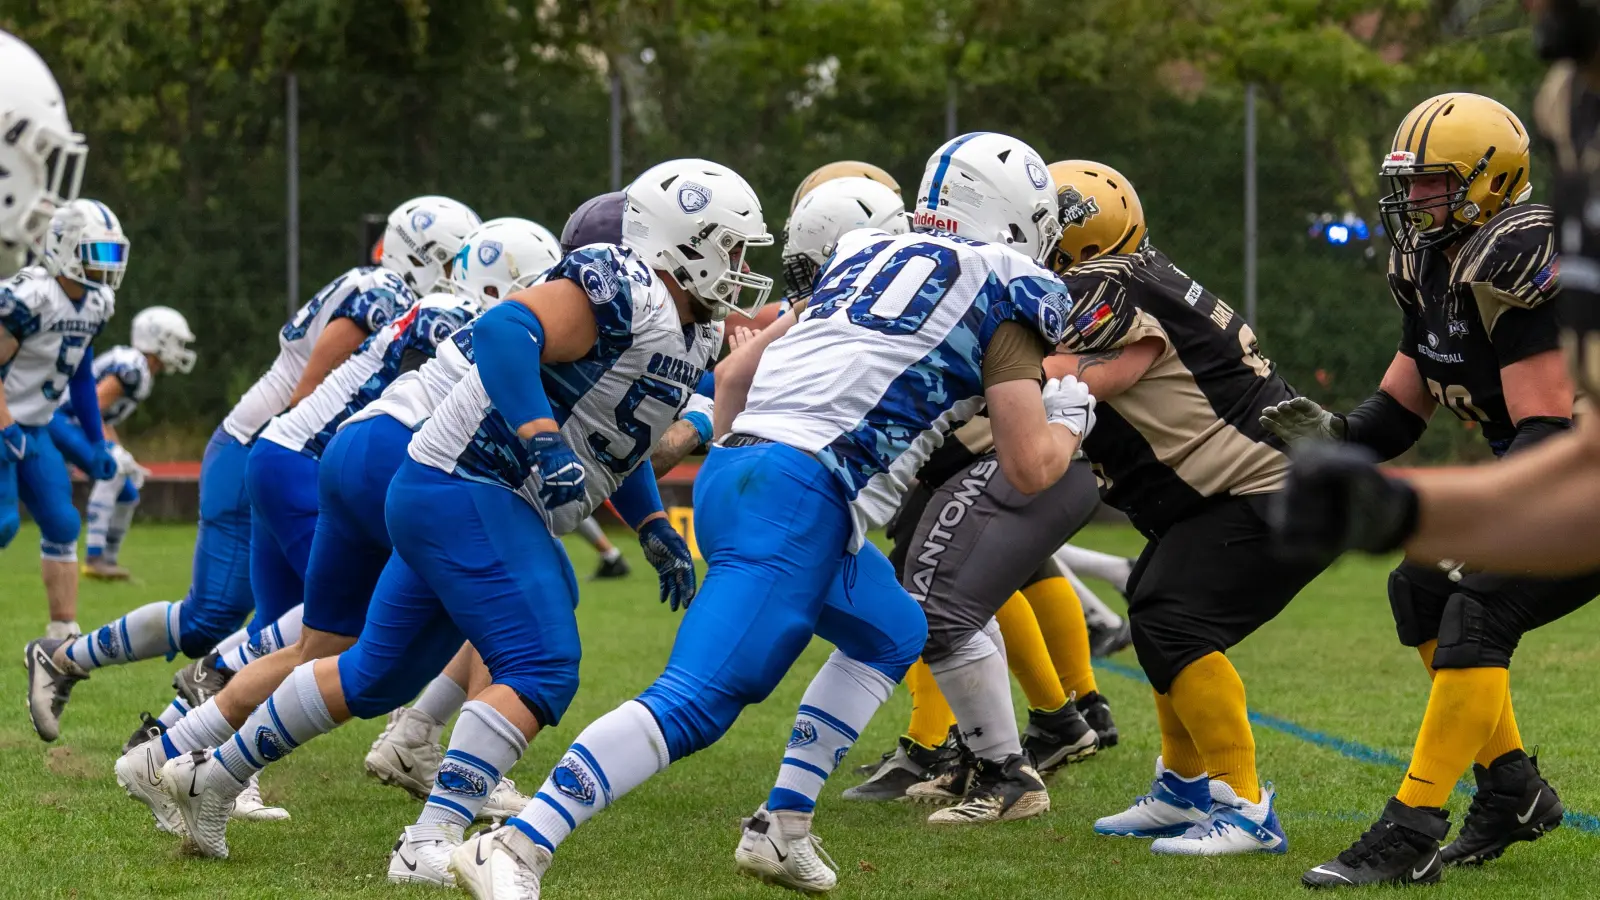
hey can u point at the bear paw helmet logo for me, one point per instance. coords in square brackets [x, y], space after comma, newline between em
[693, 197]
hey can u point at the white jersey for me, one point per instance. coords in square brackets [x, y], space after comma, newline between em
[888, 356]
[131, 369]
[370, 296]
[612, 405]
[52, 334]
[416, 394]
[362, 378]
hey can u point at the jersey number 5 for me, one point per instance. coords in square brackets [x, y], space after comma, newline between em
[628, 423]
[67, 360]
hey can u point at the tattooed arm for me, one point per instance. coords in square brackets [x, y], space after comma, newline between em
[680, 440]
[1109, 372]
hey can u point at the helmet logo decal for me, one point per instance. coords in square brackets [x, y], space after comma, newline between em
[421, 219]
[1036, 173]
[693, 197]
[489, 251]
[1075, 208]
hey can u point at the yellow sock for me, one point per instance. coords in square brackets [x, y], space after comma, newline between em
[1027, 655]
[1506, 737]
[1463, 708]
[1178, 751]
[1066, 634]
[1208, 697]
[931, 717]
[1425, 650]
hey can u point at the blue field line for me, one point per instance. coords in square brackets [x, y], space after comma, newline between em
[1582, 821]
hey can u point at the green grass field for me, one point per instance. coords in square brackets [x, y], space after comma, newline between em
[1337, 703]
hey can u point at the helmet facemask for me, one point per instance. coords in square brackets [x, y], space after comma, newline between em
[1417, 224]
[30, 149]
[725, 249]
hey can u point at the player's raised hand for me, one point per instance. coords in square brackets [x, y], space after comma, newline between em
[561, 476]
[1300, 419]
[1068, 402]
[669, 554]
[1336, 499]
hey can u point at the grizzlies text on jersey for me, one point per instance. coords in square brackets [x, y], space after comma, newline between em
[889, 356]
[612, 405]
[52, 332]
[370, 296]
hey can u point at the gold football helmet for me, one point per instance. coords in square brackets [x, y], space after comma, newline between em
[844, 168]
[1479, 144]
[1100, 213]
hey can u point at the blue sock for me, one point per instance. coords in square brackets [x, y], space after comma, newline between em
[838, 703]
[294, 714]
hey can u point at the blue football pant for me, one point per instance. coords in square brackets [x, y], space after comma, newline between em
[41, 483]
[283, 509]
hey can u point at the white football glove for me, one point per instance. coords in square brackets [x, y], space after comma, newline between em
[128, 466]
[1300, 419]
[1068, 402]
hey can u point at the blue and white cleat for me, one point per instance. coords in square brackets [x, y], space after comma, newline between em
[1235, 827]
[1172, 806]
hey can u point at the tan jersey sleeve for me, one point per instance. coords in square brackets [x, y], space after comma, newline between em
[1015, 353]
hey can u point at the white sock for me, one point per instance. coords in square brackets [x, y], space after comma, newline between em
[591, 532]
[483, 747]
[975, 683]
[227, 650]
[294, 714]
[203, 727]
[102, 499]
[1104, 566]
[121, 521]
[280, 634]
[441, 699]
[147, 632]
[174, 712]
[614, 755]
[836, 706]
[1095, 610]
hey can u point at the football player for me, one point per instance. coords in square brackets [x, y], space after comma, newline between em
[1536, 512]
[123, 377]
[513, 457]
[426, 232]
[930, 325]
[49, 316]
[1473, 270]
[1176, 448]
[41, 157]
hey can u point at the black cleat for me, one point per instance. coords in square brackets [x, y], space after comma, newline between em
[149, 729]
[934, 759]
[1105, 641]
[1514, 803]
[1097, 712]
[1058, 737]
[201, 680]
[903, 769]
[1001, 791]
[616, 567]
[1402, 847]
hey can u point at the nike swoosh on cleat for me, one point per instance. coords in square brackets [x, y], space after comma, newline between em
[1418, 873]
[1523, 819]
[406, 862]
[782, 856]
[401, 762]
[477, 854]
[1323, 871]
[192, 782]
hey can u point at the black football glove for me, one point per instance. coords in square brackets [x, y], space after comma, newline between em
[1336, 499]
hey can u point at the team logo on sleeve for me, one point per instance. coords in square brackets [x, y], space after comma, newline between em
[380, 313]
[693, 196]
[598, 281]
[489, 251]
[1036, 173]
[1052, 317]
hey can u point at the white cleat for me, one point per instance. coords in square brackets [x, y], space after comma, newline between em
[204, 792]
[139, 773]
[49, 685]
[504, 802]
[779, 848]
[422, 855]
[249, 807]
[503, 864]
[1235, 826]
[408, 753]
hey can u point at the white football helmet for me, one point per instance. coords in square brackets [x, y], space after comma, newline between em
[86, 244]
[695, 220]
[163, 332]
[826, 213]
[501, 257]
[993, 188]
[423, 237]
[41, 157]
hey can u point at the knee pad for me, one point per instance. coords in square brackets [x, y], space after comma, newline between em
[977, 646]
[54, 551]
[1468, 638]
[1411, 623]
[60, 525]
[368, 694]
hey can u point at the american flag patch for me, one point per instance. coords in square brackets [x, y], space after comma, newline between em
[1548, 278]
[1092, 319]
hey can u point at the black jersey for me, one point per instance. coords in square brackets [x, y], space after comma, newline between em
[1465, 320]
[1190, 428]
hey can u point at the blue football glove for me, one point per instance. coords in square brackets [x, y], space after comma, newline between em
[102, 464]
[14, 444]
[561, 475]
[669, 554]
